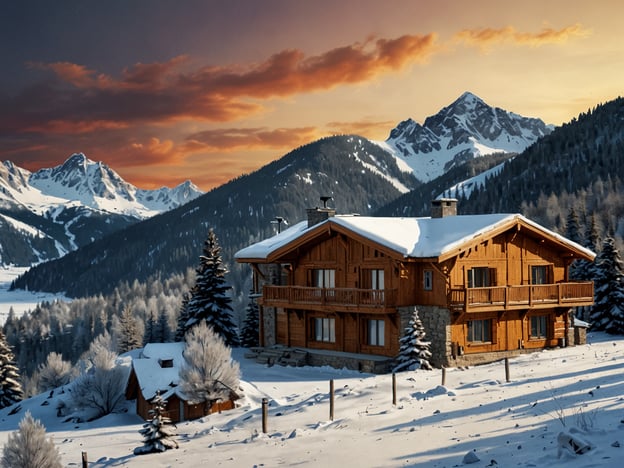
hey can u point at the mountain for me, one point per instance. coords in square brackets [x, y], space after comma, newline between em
[466, 129]
[578, 168]
[359, 175]
[45, 214]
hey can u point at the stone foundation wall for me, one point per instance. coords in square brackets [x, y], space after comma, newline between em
[345, 361]
[268, 323]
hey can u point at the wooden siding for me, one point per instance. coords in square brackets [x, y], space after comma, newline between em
[295, 328]
[511, 330]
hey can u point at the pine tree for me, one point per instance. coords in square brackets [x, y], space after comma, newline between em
[573, 228]
[162, 332]
[251, 325]
[127, 335]
[10, 388]
[183, 316]
[209, 302]
[414, 351]
[158, 433]
[28, 447]
[608, 311]
[149, 335]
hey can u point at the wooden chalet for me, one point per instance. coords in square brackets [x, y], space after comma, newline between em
[156, 371]
[343, 288]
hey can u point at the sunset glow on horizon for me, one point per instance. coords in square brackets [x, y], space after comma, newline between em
[209, 90]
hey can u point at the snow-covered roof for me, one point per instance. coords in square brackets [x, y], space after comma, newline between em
[409, 237]
[153, 378]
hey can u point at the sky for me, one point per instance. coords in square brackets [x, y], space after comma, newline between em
[166, 91]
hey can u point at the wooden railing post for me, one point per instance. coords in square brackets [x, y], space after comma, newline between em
[85, 461]
[265, 414]
[331, 400]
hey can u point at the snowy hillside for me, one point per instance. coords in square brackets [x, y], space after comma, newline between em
[551, 395]
[465, 129]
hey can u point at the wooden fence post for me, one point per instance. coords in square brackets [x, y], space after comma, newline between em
[393, 389]
[507, 378]
[265, 414]
[443, 376]
[331, 400]
[85, 462]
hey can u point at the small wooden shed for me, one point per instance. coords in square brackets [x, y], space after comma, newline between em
[157, 371]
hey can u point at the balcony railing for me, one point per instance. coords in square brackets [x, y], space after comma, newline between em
[522, 297]
[348, 299]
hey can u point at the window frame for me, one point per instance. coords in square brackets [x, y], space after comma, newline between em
[481, 277]
[544, 274]
[537, 322]
[324, 329]
[376, 332]
[485, 332]
[324, 278]
[428, 280]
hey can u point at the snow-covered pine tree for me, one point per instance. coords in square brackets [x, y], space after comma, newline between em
[28, 447]
[10, 388]
[414, 350]
[209, 301]
[251, 325]
[53, 373]
[208, 372]
[159, 432]
[585, 270]
[608, 311]
[127, 334]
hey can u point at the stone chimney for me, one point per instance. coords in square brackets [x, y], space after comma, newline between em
[318, 215]
[443, 207]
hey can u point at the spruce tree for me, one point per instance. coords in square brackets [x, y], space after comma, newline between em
[149, 335]
[414, 350]
[162, 332]
[209, 301]
[183, 316]
[158, 433]
[10, 387]
[251, 325]
[608, 311]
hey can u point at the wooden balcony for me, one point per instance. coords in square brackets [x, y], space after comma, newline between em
[330, 299]
[534, 296]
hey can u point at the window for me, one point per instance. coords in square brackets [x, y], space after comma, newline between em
[324, 278]
[538, 327]
[428, 280]
[480, 331]
[377, 279]
[376, 332]
[539, 274]
[325, 329]
[481, 277]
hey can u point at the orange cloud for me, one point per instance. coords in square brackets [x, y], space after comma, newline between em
[250, 138]
[159, 93]
[487, 37]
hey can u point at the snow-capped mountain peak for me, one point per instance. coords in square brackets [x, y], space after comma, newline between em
[465, 129]
[96, 185]
[58, 209]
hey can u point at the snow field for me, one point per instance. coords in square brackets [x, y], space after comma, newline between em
[579, 390]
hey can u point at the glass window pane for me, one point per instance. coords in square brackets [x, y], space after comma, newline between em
[381, 332]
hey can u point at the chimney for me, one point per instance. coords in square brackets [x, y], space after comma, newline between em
[443, 207]
[318, 215]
